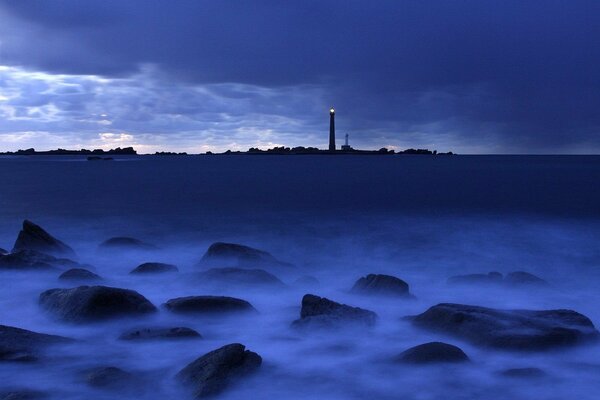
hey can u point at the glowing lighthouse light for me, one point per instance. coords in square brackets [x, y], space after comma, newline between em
[332, 110]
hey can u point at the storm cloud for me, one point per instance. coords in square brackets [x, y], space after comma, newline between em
[468, 76]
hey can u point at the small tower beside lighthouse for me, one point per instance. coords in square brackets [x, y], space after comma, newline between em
[332, 129]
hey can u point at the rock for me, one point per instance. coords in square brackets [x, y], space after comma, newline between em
[111, 378]
[79, 274]
[433, 352]
[154, 268]
[160, 333]
[33, 260]
[122, 242]
[212, 373]
[490, 278]
[508, 329]
[524, 278]
[208, 305]
[22, 394]
[2, 251]
[320, 312]
[524, 373]
[381, 285]
[18, 344]
[241, 276]
[33, 237]
[93, 303]
[239, 255]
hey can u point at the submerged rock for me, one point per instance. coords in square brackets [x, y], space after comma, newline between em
[307, 280]
[33, 260]
[18, 344]
[111, 378]
[433, 352]
[33, 237]
[489, 278]
[154, 268]
[376, 284]
[212, 373]
[508, 329]
[524, 373]
[208, 305]
[22, 394]
[524, 278]
[79, 274]
[93, 303]
[123, 242]
[239, 255]
[160, 333]
[241, 276]
[319, 312]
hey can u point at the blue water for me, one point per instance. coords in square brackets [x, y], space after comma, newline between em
[337, 218]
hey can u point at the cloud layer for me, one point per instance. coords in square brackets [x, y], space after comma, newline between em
[468, 76]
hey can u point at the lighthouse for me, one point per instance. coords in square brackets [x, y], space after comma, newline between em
[331, 129]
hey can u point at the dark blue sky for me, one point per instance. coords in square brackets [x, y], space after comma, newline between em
[470, 76]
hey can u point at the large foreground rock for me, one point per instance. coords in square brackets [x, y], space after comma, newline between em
[377, 284]
[33, 260]
[126, 243]
[93, 303]
[208, 305]
[508, 329]
[232, 254]
[319, 312]
[153, 268]
[78, 275]
[240, 276]
[210, 374]
[18, 344]
[160, 333]
[433, 352]
[33, 237]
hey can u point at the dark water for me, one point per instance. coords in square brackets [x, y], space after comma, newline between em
[422, 219]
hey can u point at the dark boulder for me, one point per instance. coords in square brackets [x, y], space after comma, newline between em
[93, 303]
[489, 278]
[508, 329]
[212, 373]
[240, 276]
[33, 260]
[79, 274]
[434, 352]
[524, 278]
[126, 243]
[108, 378]
[524, 373]
[160, 333]
[238, 255]
[320, 312]
[154, 268]
[376, 284]
[208, 305]
[18, 344]
[33, 237]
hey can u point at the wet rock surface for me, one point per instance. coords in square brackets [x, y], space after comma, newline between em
[377, 284]
[154, 268]
[212, 373]
[433, 352]
[94, 303]
[79, 274]
[22, 345]
[34, 237]
[208, 305]
[240, 276]
[160, 333]
[320, 312]
[238, 255]
[508, 329]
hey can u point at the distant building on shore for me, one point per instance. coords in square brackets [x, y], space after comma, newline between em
[346, 146]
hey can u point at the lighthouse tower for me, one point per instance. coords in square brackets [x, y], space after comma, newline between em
[331, 129]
